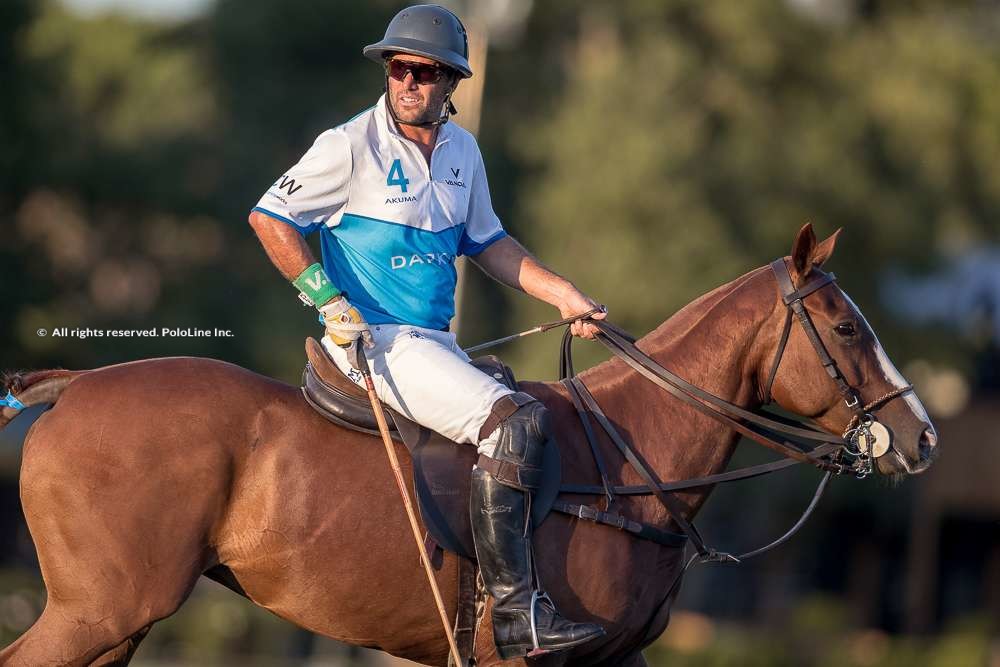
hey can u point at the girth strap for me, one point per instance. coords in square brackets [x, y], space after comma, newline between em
[637, 528]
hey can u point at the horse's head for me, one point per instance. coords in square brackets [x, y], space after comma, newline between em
[803, 386]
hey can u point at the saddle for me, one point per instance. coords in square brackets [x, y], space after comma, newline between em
[441, 467]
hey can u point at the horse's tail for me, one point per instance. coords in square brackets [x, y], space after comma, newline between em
[22, 390]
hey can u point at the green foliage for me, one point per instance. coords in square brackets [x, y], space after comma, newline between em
[687, 142]
[123, 82]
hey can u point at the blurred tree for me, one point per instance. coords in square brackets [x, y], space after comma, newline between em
[682, 144]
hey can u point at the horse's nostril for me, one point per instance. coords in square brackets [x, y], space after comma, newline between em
[928, 441]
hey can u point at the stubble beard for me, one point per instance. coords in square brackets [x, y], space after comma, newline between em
[427, 112]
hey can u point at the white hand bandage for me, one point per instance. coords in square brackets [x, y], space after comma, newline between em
[344, 324]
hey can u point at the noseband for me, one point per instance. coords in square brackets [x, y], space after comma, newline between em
[858, 438]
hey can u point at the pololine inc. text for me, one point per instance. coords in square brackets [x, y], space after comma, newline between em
[162, 332]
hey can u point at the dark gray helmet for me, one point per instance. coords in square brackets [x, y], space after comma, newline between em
[425, 30]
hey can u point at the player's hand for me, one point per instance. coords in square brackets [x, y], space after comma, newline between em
[576, 302]
[344, 324]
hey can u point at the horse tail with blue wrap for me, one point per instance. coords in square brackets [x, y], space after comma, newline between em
[22, 390]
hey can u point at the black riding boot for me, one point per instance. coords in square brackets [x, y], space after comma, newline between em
[524, 619]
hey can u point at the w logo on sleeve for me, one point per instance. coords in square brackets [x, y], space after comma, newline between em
[285, 183]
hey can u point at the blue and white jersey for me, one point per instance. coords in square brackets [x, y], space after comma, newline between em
[391, 225]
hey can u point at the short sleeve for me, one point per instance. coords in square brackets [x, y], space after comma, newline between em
[313, 192]
[482, 226]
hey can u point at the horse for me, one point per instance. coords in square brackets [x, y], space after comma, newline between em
[146, 475]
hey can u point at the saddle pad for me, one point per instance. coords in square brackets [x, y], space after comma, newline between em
[441, 467]
[442, 476]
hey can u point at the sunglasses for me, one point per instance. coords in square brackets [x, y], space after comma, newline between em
[423, 73]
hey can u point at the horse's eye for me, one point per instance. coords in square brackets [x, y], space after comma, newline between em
[846, 329]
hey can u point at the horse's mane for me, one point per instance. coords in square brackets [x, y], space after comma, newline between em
[10, 381]
[682, 322]
[687, 318]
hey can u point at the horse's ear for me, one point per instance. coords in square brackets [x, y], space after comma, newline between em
[825, 249]
[802, 252]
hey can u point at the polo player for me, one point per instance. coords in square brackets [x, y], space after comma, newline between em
[397, 193]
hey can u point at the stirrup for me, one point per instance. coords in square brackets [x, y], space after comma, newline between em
[535, 597]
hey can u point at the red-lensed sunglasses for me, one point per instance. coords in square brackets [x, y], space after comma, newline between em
[423, 73]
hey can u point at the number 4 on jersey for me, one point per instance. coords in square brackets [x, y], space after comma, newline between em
[396, 176]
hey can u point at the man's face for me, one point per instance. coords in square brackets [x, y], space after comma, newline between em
[412, 101]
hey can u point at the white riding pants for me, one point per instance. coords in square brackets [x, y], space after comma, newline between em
[424, 374]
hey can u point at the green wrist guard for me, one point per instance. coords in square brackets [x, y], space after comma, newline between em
[314, 286]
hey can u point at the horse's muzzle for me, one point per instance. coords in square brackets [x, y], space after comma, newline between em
[927, 447]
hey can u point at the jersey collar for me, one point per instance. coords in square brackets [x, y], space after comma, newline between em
[386, 125]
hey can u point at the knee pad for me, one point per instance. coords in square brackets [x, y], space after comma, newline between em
[520, 441]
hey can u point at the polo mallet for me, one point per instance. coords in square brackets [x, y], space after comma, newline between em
[390, 449]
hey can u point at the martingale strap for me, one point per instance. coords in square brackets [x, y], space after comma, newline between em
[653, 483]
[606, 487]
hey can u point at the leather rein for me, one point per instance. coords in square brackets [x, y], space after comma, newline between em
[851, 452]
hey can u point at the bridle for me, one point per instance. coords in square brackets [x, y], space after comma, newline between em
[850, 452]
[862, 418]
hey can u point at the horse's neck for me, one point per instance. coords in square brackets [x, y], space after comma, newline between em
[717, 343]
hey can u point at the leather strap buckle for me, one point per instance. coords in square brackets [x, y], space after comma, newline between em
[512, 474]
[504, 407]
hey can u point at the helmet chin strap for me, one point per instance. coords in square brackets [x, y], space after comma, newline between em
[447, 109]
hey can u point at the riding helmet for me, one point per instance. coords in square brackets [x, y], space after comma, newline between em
[425, 30]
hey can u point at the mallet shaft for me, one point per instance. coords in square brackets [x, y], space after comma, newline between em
[397, 472]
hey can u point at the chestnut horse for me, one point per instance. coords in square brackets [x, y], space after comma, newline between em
[146, 475]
